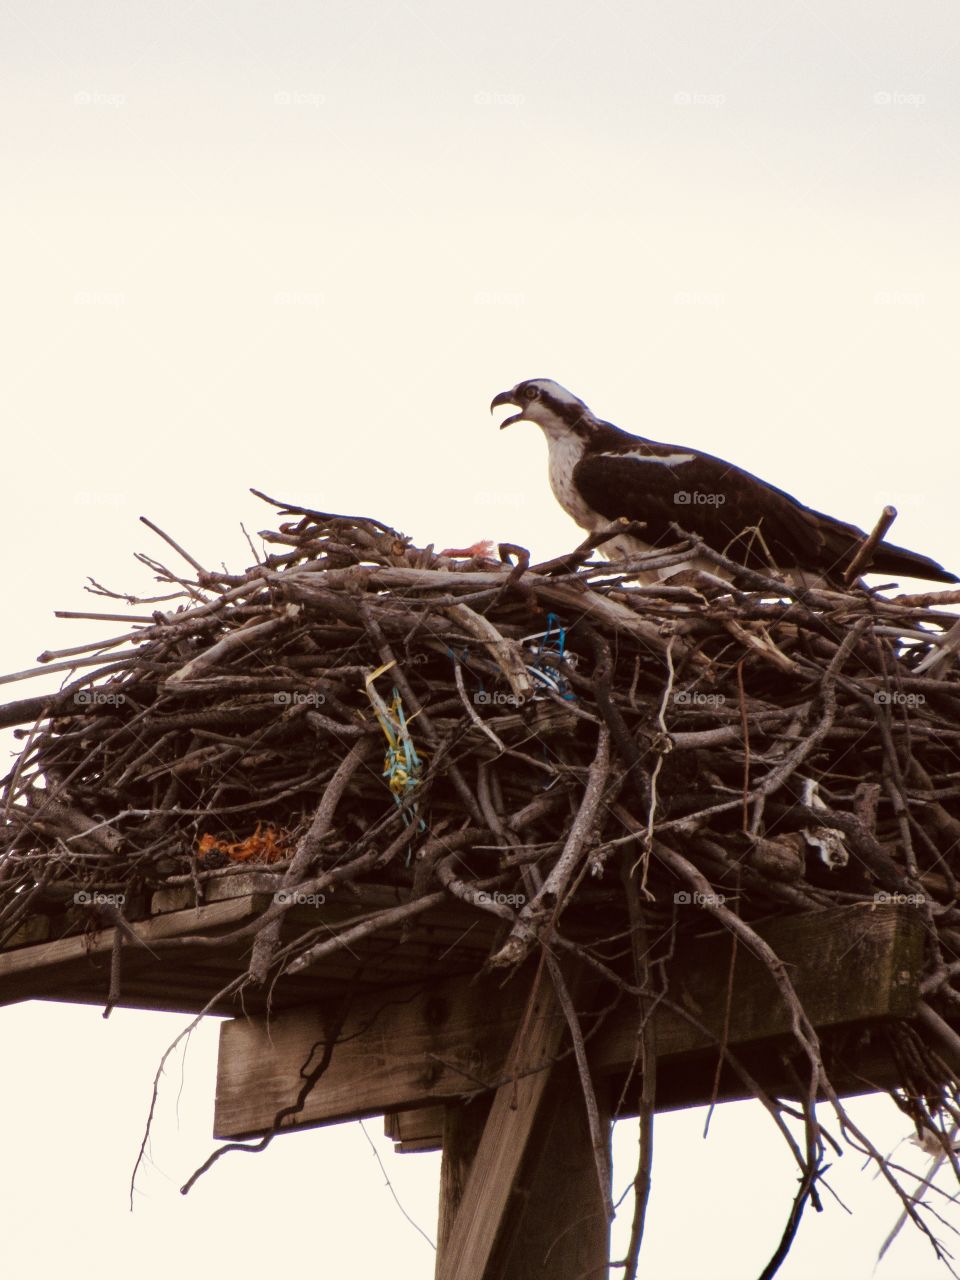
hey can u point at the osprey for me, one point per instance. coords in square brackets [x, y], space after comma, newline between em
[599, 473]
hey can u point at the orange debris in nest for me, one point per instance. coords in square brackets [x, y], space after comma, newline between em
[264, 845]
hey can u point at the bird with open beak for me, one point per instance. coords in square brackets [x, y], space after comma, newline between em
[600, 474]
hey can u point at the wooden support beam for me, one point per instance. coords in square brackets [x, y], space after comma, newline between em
[419, 1130]
[463, 1124]
[434, 1043]
[469, 1242]
[394, 1053]
[554, 1221]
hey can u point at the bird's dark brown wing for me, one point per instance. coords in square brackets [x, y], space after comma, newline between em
[753, 522]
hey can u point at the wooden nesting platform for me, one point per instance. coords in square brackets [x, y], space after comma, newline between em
[439, 1029]
[434, 1045]
[76, 967]
[852, 968]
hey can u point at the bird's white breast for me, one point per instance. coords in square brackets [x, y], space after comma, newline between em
[566, 450]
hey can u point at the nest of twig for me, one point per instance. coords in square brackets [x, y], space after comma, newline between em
[561, 746]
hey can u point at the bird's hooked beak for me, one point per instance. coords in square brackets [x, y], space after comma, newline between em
[506, 397]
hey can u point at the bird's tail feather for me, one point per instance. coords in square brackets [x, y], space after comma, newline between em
[897, 560]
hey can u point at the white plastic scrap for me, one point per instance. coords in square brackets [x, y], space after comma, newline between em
[828, 841]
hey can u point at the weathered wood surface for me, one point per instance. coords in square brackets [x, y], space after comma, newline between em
[77, 967]
[846, 963]
[553, 1224]
[493, 1171]
[34, 929]
[54, 969]
[419, 1130]
[431, 1044]
[395, 1046]
[461, 1128]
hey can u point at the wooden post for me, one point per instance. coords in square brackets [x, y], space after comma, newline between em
[519, 1191]
[502, 1147]
[553, 1225]
[463, 1125]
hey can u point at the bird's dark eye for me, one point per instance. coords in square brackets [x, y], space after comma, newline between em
[530, 393]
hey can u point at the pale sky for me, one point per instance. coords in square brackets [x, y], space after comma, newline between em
[300, 247]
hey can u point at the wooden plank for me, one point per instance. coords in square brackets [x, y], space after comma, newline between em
[76, 967]
[394, 1047]
[470, 1242]
[34, 929]
[414, 1131]
[554, 1224]
[846, 963]
[45, 961]
[179, 897]
[463, 1125]
[436, 1043]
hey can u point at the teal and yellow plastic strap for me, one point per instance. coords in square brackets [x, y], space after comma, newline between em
[402, 764]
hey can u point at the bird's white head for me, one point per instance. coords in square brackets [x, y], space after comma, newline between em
[550, 406]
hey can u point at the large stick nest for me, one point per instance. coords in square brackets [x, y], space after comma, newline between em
[587, 758]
